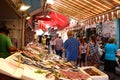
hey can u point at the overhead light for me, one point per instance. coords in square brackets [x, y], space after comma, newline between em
[50, 1]
[27, 17]
[24, 7]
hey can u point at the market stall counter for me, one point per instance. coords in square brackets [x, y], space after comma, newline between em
[35, 65]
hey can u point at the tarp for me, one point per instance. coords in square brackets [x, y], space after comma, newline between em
[61, 20]
[42, 26]
[45, 24]
[55, 19]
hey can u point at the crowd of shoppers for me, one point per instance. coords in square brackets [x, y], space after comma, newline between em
[80, 52]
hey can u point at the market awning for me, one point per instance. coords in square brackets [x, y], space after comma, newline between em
[42, 26]
[82, 9]
[55, 20]
[61, 20]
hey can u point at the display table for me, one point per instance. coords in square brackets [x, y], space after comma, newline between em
[28, 70]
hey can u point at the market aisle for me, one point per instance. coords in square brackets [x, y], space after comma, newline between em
[112, 76]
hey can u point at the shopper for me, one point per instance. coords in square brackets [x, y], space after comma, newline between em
[43, 40]
[47, 40]
[83, 50]
[58, 45]
[110, 58]
[6, 45]
[51, 45]
[71, 46]
[93, 55]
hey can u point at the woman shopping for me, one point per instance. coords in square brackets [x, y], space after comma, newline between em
[83, 50]
[110, 58]
[93, 55]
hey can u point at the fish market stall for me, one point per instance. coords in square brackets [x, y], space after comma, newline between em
[32, 64]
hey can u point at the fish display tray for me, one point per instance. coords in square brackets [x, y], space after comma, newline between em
[94, 73]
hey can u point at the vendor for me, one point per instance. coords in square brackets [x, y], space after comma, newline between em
[6, 45]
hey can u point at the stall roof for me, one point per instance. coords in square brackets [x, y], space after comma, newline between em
[82, 9]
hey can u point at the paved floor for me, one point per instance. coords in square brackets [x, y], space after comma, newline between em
[111, 75]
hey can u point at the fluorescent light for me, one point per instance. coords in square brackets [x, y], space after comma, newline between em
[27, 17]
[24, 7]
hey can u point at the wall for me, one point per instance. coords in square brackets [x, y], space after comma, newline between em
[15, 27]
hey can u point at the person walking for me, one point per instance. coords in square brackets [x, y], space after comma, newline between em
[71, 47]
[58, 45]
[110, 58]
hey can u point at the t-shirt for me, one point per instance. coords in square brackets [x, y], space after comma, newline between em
[110, 50]
[5, 43]
[71, 45]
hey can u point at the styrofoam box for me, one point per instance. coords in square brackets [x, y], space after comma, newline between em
[29, 74]
[102, 76]
[10, 69]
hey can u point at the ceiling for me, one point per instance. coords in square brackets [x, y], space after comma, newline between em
[10, 8]
[7, 11]
[35, 4]
[82, 9]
